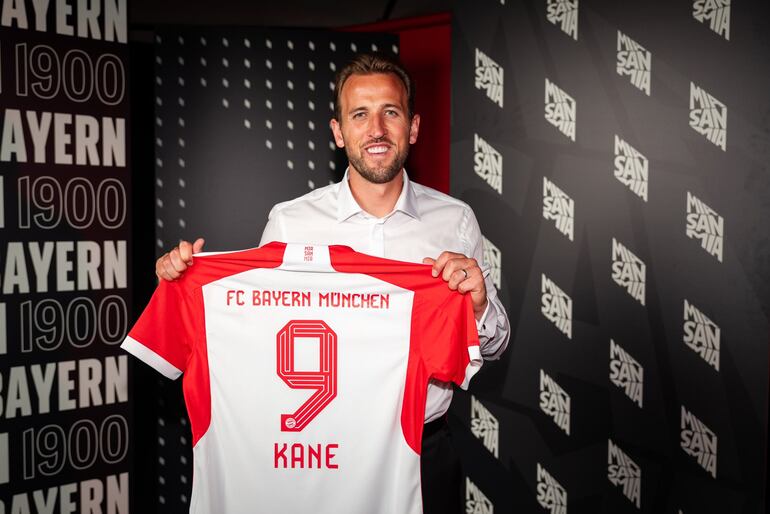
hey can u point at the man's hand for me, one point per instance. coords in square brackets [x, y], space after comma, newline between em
[462, 274]
[172, 264]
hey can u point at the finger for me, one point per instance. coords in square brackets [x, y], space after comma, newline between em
[441, 262]
[454, 265]
[176, 260]
[198, 245]
[473, 284]
[428, 260]
[159, 269]
[185, 251]
[456, 279]
[169, 273]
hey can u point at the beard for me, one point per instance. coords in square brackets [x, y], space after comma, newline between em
[380, 174]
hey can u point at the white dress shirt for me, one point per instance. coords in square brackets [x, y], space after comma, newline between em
[423, 223]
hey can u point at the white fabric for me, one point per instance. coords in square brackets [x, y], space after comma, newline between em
[424, 223]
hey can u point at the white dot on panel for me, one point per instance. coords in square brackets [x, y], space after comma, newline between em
[290, 105]
[331, 86]
[332, 66]
[332, 46]
[331, 106]
[290, 64]
[268, 84]
[158, 141]
[181, 163]
[161, 441]
[180, 81]
[247, 63]
[159, 202]
[290, 124]
[161, 480]
[290, 84]
[311, 85]
[394, 48]
[183, 498]
[246, 43]
[203, 82]
[290, 165]
[158, 59]
[247, 124]
[159, 183]
[310, 184]
[183, 478]
[158, 39]
[332, 146]
[181, 122]
[161, 422]
[159, 162]
[353, 47]
[311, 145]
[181, 182]
[180, 142]
[159, 222]
[311, 165]
[180, 60]
[332, 165]
[225, 103]
[183, 422]
[181, 40]
[268, 64]
[159, 81]
[311, 45]
[311, 105]
[268, 144]
[290, 44]
[182, 223]
[158, 100]
[374, 47]
[246, 103]
[183, 440]
[203, 41]
[225, 82]
[158, 121]
[268, 104]
[289, 144]
[225, 62]
[310, 125]
[311, 65]
[225, 42]
[268, 43]
[161, 499]
[159, 243]
[181, 101]
[203, 61]
[269, 124]
[182, 203]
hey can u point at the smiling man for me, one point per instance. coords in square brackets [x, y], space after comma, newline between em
[377, 210]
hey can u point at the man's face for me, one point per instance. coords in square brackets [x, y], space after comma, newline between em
[374, 125]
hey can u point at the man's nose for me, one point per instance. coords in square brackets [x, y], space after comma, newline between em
[377, 127]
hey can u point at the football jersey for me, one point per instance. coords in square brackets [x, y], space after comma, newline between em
[305, 374]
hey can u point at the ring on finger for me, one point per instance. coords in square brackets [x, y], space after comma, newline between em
[465, 272]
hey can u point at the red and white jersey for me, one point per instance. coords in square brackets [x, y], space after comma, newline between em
[305, 375]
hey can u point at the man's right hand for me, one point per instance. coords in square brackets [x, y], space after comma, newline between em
[172, 264]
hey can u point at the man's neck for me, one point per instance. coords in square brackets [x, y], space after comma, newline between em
[375, 199]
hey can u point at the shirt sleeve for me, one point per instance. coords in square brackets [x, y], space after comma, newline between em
[163, 335]
[451, 343]
[494, 329]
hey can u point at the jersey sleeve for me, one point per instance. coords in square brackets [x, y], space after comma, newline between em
[450, 341]
[163, 335]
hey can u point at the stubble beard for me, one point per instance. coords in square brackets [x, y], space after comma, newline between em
[380, 175]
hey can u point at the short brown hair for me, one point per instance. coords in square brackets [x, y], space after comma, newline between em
[367, 64]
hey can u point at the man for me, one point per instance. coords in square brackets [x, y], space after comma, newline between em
[375, 209]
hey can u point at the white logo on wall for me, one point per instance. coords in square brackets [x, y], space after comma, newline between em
[701, 335]
[556, 306]
[708, 116]
[550, 494]
[564, 13]
[484, 426]
[635, 61]
[559, 207]
[560, 109]
[716, 13]
[697, 440]
[624, 473]
[628, 271]
[631, 168]
[475, 501]
[489, 77]
[705, 224]
[493, 259]
[626, 373]
[554, 401]
[488, 163]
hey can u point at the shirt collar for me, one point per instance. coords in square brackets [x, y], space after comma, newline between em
[347, 205]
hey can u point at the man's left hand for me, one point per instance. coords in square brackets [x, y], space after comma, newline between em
[461, 274]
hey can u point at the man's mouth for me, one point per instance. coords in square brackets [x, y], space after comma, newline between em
[376, 149]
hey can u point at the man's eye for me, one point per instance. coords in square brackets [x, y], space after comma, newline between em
[391, 113]
[358, 115]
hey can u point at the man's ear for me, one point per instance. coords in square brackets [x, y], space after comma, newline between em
[337, 133]
[414, 129]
